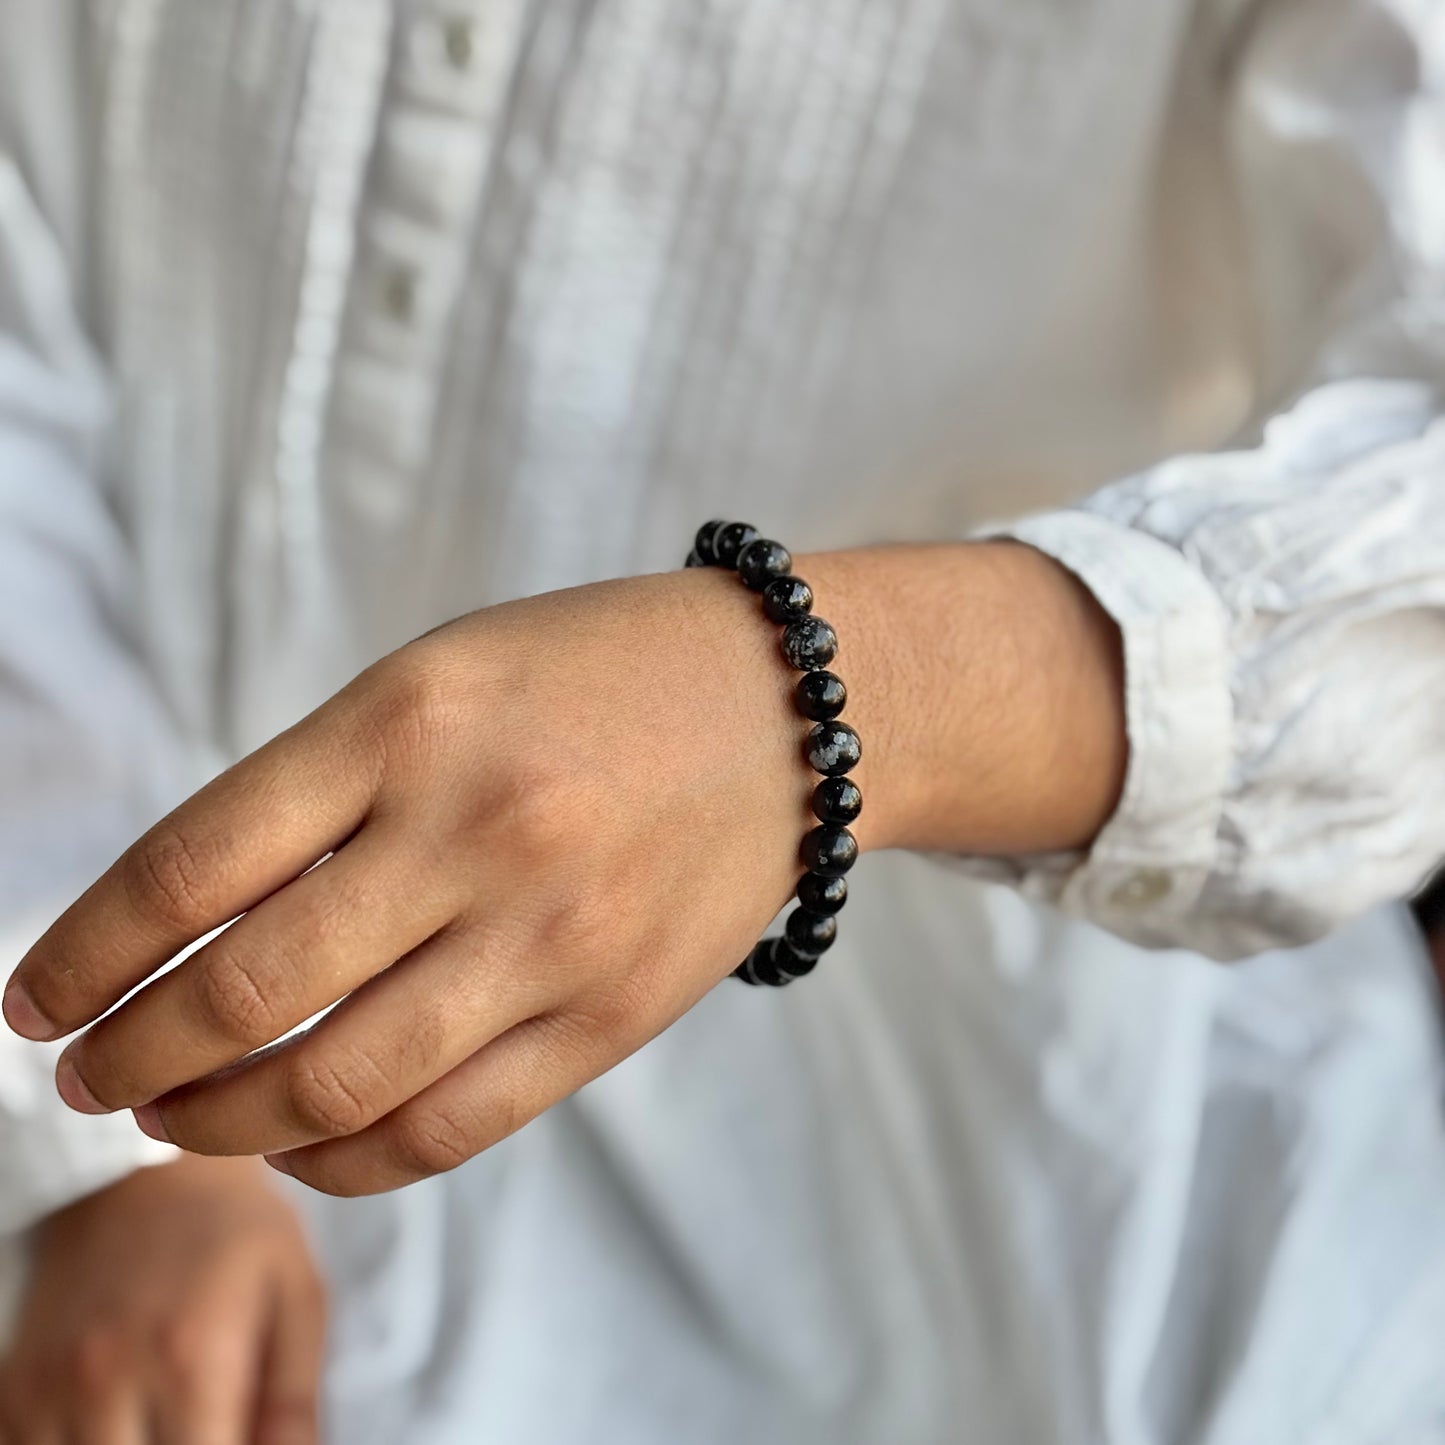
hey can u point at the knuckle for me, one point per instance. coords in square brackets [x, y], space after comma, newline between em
[325, 1102]
[607, 1009]
[579, 927]
[236, 1002]
[98, 1362]
[417, 710]
[165, 876]
[537, 814]
[184, 1346]
[430, 1141]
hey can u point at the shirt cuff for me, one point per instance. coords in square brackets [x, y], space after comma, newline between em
[51, 1156]
[1151, 861]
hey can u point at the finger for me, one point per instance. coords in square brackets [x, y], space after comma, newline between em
[117, 1418]
[22, 1423]
[290, 957]
[504, 1086]
[288, 1407]
[207, 1369]
[389, 1040]
[239, 839]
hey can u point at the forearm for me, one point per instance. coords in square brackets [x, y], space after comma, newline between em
[987, 685]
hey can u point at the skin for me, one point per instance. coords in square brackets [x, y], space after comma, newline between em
[548, 829]
[178, 1307]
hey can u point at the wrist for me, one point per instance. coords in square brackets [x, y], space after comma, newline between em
[987, 683]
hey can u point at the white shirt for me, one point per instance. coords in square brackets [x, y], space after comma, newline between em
[320, 322]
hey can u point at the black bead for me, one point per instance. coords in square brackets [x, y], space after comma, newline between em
[761, 561]
[787, 599]
[829, 851]
[833, 749]
[837, 801]
[810, 933]
[702, 543]
[693, 560]
[822, 895]
[808, 643]
[820, 695]
[765, 966]
[729, 540]
[790, 963]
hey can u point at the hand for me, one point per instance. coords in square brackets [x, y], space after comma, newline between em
[179, 1305]
[548, 829]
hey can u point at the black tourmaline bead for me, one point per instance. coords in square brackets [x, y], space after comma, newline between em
[809, 643]
[829, 851]
[820, 695]
[822, 895]
[787, 599]
[833, 749]
[761, 561]
[702, 543]
[693, 560]
[810, 933]
[729, 540]
[837, 801]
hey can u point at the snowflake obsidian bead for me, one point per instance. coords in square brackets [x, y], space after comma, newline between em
[820, 695]
[729, 540]
[787, 599]
[822, 895]
[702, 543]
[833, 749]
[810, 933]
[809, 643]
[829, 851]
[837, 801]
[763, 561]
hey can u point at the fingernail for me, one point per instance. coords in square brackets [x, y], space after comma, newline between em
[71, 1087]
[148, 1120]
[280, 1163]
[22, 1015]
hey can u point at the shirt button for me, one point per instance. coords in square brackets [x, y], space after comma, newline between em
[1141, 889]
[459, 39]
[397, 294]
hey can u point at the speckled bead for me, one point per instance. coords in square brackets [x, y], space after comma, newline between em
[829, 851]
[787, 599]
[837, 801]
[822, 895]
[702, 543]
[729, 540]
[810, 933]
[763, 561]
[820, 695]
[809, 643]
[833, 748]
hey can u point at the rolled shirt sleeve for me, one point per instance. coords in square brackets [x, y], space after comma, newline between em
[1282, 604]
[1284, 638]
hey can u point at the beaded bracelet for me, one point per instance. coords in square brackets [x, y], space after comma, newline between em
[833, 748]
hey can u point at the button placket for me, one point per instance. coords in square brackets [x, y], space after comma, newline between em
[449, 73]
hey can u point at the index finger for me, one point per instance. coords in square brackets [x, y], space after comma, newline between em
[244, 835]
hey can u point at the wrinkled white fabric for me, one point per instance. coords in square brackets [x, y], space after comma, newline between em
[320, 322]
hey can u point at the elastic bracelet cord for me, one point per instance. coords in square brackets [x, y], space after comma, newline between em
[832, 748]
